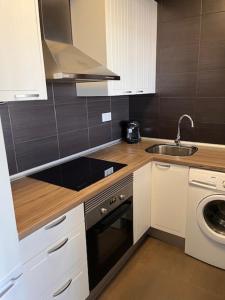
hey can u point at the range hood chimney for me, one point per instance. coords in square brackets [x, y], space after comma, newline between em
[63, 61]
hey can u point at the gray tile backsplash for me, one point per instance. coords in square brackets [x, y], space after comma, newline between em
[190, 73]
[11, 160]
[31, 122]
[38, 132]
[120, 111]
[71, 116]
[120, 108]
[96, 106]
[37, 152]
[100, 134]
[73, 142]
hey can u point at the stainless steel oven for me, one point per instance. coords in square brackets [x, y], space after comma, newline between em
[109, 228]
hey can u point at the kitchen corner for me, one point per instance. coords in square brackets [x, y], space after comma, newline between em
[42, 205]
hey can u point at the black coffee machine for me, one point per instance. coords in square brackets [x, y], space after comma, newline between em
[132, 132]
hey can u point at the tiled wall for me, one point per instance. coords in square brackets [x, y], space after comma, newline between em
[190, 73]
[190, 79]
[37, 132]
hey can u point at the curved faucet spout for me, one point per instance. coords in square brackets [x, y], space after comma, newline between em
[177, 140]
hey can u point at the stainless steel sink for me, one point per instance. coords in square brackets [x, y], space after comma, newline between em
[173, 150]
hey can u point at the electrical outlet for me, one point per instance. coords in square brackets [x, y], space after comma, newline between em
[106, 117]
[109, 171]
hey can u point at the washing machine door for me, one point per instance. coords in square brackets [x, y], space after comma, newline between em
[211, 217]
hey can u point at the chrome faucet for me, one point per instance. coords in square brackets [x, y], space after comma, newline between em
[177, 140]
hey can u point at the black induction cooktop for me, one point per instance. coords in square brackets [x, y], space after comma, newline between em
[78, 173]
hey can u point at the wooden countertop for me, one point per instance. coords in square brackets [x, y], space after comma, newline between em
[37, 203]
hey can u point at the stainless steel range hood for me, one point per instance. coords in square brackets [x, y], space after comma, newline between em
[62, 60]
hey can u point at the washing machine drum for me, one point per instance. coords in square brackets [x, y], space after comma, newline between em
[211, 217]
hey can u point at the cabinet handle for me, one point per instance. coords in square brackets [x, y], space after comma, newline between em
[109, 77]
[27, 96]
[128, 92]
[17, 277]
[163, 166]
[9, 285]
[59, 246]
[56, 223]
[7, 288]
[140, 91]
[63, 288]
[203, 184]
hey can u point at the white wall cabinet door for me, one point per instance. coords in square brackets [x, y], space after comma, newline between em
[145, 16]
[169, 198]
[119, 54]
[122, 36]
[131, 45]
[142, 201]
[22, 75]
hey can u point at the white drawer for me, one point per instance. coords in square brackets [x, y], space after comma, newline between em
[45, 269]
[73, 286]
[15, 292]
[33, 244]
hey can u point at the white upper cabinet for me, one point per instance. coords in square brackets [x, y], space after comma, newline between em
[120, 34]
[145, 14]
[22, 75]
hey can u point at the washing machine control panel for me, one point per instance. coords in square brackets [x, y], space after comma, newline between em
[207, 179]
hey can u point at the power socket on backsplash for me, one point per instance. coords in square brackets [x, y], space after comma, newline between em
[106, 117]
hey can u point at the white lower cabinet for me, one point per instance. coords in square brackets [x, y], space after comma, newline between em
[56, 271]
[49, 234]
[141, 200]
[15, 292]
[169, 197]
[73, 286]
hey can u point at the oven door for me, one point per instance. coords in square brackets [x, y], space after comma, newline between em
[108, 240]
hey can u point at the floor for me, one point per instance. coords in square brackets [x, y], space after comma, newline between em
[159, 271]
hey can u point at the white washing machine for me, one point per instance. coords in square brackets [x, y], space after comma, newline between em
[205, 228]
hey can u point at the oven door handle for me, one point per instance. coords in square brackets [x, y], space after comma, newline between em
[109, 220]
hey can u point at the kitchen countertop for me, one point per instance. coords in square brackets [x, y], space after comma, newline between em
[37, 203]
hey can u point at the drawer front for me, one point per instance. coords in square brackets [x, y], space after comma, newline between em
[15, 291]
[52, 232]
[46, 268]
[73, 286]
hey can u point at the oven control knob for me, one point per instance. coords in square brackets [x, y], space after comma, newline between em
[121, 197]
[103, 210]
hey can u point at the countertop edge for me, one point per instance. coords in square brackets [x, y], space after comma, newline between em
[137, 158]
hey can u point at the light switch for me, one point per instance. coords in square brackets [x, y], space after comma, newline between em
[106, 117]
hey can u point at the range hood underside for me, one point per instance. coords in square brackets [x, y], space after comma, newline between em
[60, 64]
